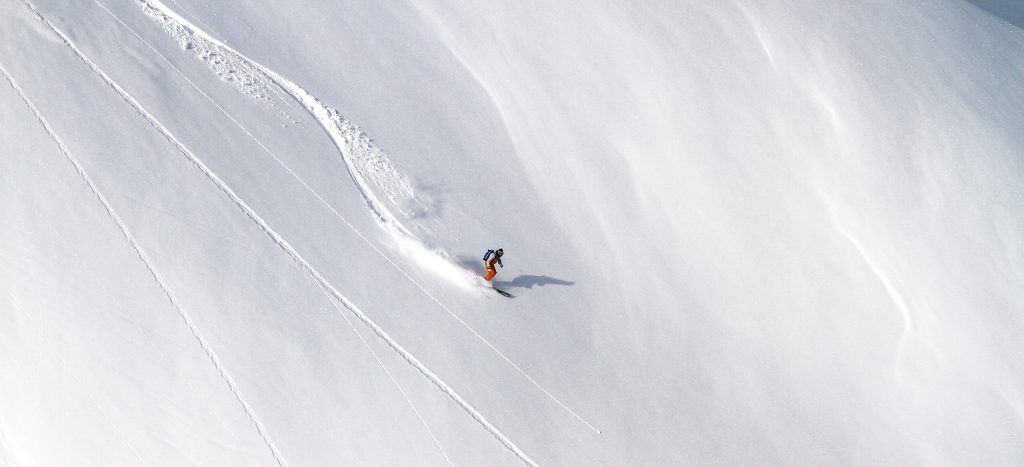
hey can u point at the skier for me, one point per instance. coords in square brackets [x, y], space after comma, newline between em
[494, 257]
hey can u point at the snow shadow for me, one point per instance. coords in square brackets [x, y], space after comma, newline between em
[1011, 11]
[527, 281]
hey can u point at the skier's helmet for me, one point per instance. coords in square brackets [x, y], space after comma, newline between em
[499, 252]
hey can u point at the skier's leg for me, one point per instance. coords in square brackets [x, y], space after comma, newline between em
[490, 274]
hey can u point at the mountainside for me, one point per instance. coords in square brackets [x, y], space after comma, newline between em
[250, 233]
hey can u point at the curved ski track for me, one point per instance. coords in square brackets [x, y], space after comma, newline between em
[361, 157]
[314, 273]
[308, 188]
[331, 120]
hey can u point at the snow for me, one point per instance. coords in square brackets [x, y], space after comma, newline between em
[249, 233]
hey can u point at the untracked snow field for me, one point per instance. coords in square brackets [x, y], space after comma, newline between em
[738, 232]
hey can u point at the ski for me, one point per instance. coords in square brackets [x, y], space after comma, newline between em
[504, 293]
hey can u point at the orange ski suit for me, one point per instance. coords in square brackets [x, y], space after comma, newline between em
[489, 264]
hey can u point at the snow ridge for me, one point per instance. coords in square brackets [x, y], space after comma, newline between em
[890, 288]
[142, 254]
[288, 249]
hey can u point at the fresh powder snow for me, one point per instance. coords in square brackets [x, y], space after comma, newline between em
[745, 232]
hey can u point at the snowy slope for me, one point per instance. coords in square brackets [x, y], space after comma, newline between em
[245, 233]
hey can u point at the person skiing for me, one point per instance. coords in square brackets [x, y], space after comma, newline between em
[491, 257]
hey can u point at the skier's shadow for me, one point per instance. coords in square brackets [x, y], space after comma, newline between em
[526, 281]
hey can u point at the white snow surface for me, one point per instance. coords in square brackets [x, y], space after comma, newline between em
[742, 232]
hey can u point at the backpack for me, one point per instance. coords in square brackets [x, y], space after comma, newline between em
[488, 254]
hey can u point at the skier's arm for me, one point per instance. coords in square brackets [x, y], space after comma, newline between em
[499, 263]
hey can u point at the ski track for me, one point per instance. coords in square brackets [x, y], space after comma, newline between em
[320, 111]
[386, 371]
[142, 254]
[287, 248]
